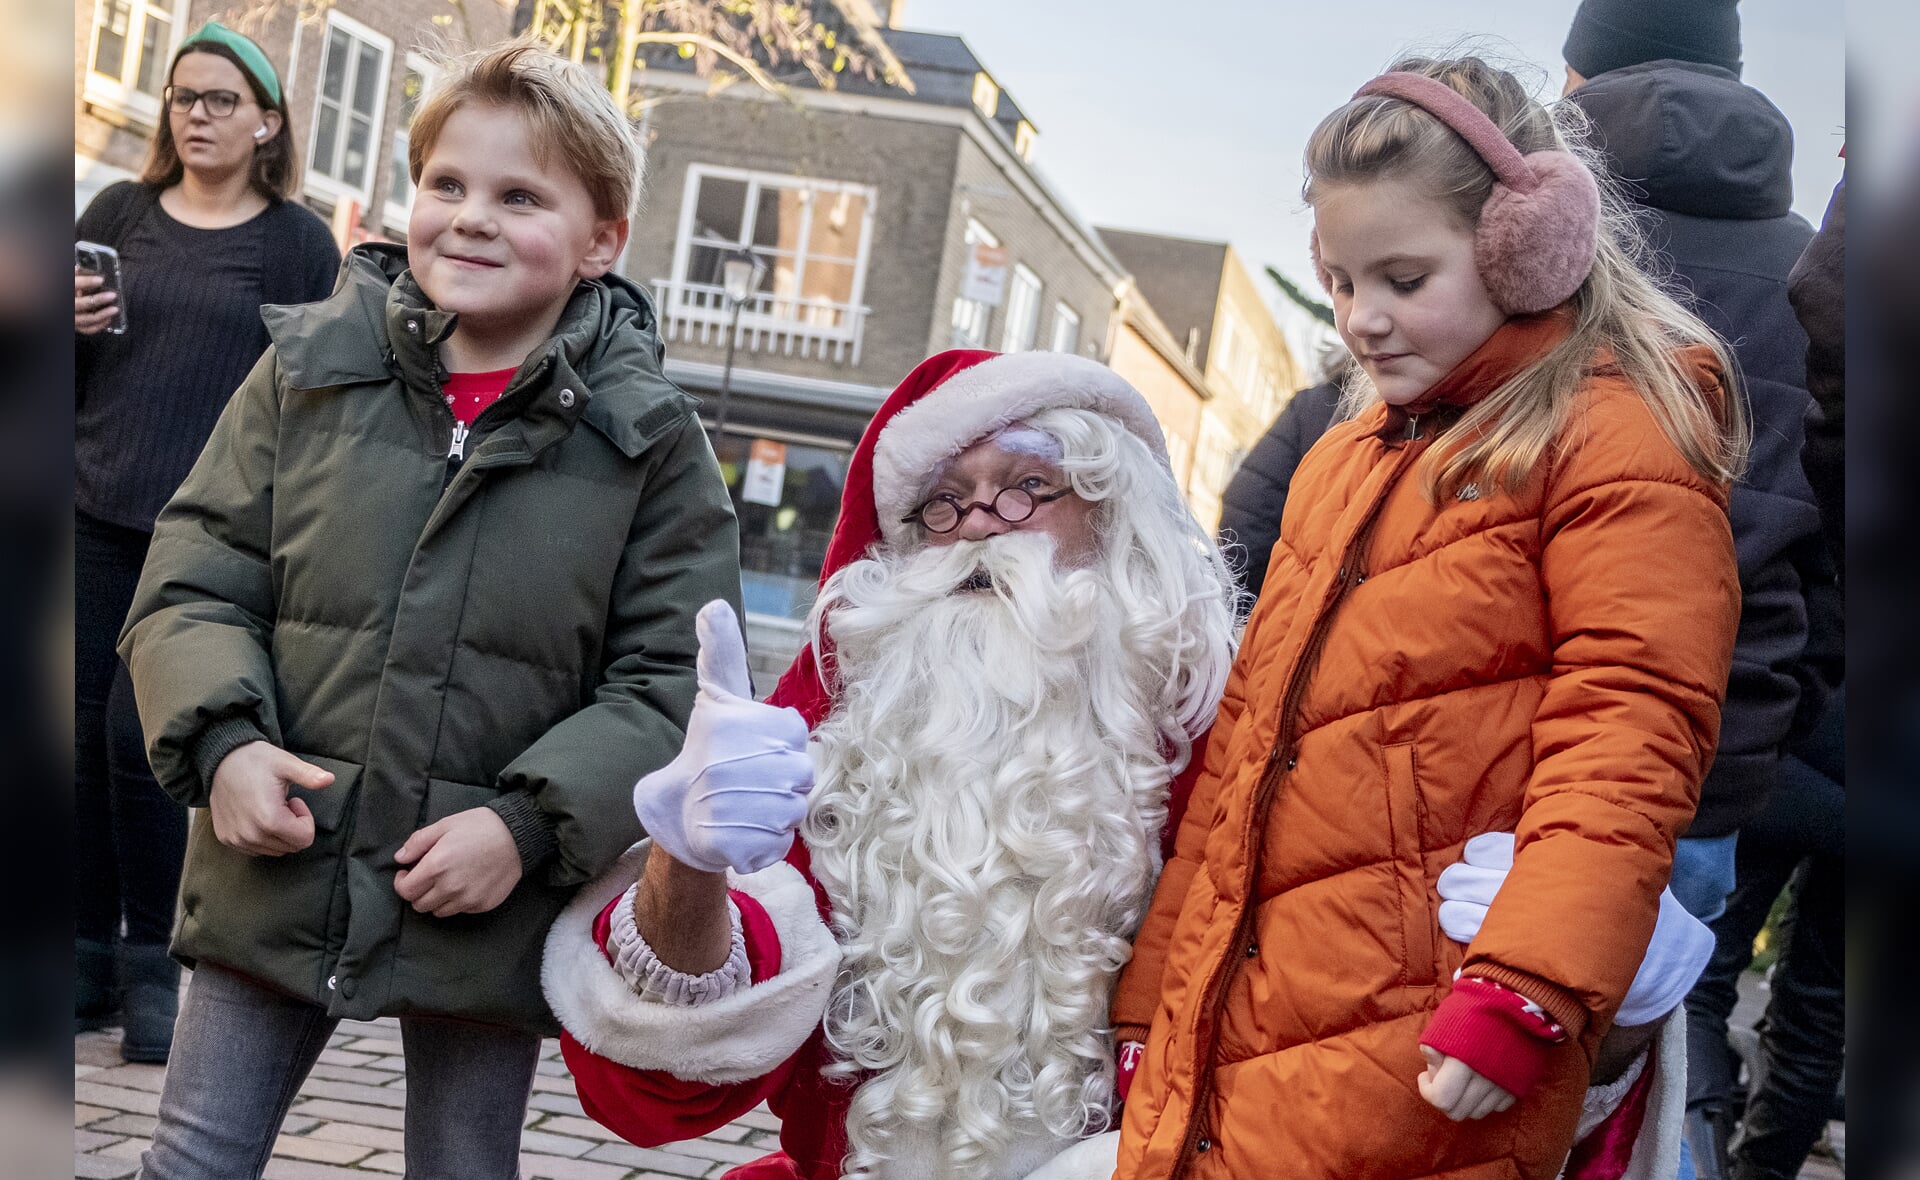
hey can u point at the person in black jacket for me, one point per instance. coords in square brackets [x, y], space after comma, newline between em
[204, 237]
[1797, 842]
[1255, 497]
[1708, 161]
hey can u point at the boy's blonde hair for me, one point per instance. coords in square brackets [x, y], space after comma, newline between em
[574, 120]
[1619, 308]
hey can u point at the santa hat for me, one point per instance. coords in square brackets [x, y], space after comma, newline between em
[949, 402]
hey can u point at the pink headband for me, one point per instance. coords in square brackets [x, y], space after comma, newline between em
[1540, 227]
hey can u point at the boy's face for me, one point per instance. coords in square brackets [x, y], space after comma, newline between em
[497, 235]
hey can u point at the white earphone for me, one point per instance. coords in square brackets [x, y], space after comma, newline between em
[262, 133]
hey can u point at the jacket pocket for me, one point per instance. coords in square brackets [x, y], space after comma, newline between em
[483, 966]
[267, 916]
[1419, 914]
[329, 803]
[447, 798]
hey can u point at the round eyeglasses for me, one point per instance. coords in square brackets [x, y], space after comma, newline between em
[943, 513]
[220, 103]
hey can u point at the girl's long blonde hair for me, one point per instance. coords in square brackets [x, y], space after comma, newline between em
[1619, 311]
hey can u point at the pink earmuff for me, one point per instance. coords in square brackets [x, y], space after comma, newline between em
[1540, 227]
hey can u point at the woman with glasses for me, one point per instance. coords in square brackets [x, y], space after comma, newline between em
[205, 237]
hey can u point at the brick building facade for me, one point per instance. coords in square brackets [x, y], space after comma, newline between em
[352, 70]
[864, 206]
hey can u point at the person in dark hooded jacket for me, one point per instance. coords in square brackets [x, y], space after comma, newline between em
[1708, 160]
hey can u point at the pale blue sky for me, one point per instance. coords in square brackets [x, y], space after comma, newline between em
[1189, 119]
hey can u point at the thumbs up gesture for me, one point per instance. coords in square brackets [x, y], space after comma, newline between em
[736, 792]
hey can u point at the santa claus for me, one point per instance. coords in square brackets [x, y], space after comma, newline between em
[1021, 634]
[1021, 630]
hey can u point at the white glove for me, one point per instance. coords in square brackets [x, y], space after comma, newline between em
[1679, 951]
[1466, 889]
[737, 790]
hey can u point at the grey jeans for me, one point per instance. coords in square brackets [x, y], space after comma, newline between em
[241, 1051]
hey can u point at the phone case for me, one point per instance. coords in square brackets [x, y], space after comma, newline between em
[95, 258]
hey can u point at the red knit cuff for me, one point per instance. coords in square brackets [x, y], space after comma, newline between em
[1505, 1037]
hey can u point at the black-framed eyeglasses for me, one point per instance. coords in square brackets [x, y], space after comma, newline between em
[220, 103]
[944, 512]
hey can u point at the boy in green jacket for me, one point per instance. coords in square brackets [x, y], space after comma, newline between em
[415, 623]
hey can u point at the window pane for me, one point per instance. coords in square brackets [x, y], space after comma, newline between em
[828, 280]
[366, 81]
[779, 280]
[1023, 311]
[1066, 329]
[333, 74]
[353, 169]
[703, 264]
[719, 208]
[776, 222]
[326, 130]
[783, 545]
[835, 232]
[110, 48]
[153, 53]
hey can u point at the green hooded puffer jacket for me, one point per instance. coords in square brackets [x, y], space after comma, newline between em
[516, 629]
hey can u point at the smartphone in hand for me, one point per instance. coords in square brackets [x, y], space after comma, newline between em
[95, 259]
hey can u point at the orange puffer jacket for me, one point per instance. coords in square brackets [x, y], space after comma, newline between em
[1549, 662]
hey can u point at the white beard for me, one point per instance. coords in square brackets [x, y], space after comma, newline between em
[991, 790]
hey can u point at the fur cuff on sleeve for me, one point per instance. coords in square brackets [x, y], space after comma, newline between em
[735, 1039]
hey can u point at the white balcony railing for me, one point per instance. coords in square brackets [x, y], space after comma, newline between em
[785, 325]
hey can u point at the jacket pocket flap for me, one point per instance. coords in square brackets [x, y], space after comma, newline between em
[445, 799]
[330, 802]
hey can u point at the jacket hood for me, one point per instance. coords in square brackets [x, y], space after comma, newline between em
[379, 326]
[1693, 139]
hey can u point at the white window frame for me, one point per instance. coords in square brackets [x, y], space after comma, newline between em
[751, 316]
[1020, 327]
[970, 316]
[1067, 319]
[118, 93]
[317, 182]
[398, 212]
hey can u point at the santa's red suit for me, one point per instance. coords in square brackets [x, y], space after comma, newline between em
[657, 1073]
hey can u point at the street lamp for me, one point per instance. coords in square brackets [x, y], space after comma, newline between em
[740, 276]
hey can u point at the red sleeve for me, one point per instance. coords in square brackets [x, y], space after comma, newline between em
[651, 1107]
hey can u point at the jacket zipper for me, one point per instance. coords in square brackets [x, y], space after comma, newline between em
[1280, 760]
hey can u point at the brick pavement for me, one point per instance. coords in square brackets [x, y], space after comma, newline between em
[345, 1124]
[346, 1121]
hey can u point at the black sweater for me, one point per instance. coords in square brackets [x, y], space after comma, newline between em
[145, 401]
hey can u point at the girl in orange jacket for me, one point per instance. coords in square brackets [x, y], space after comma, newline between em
[1504, 598]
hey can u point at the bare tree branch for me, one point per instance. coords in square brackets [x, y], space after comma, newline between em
[730, 39]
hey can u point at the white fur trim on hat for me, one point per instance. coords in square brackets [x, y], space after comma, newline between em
[735, 1039]
[986, 397]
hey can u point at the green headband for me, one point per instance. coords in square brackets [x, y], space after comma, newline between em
[251, 55]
